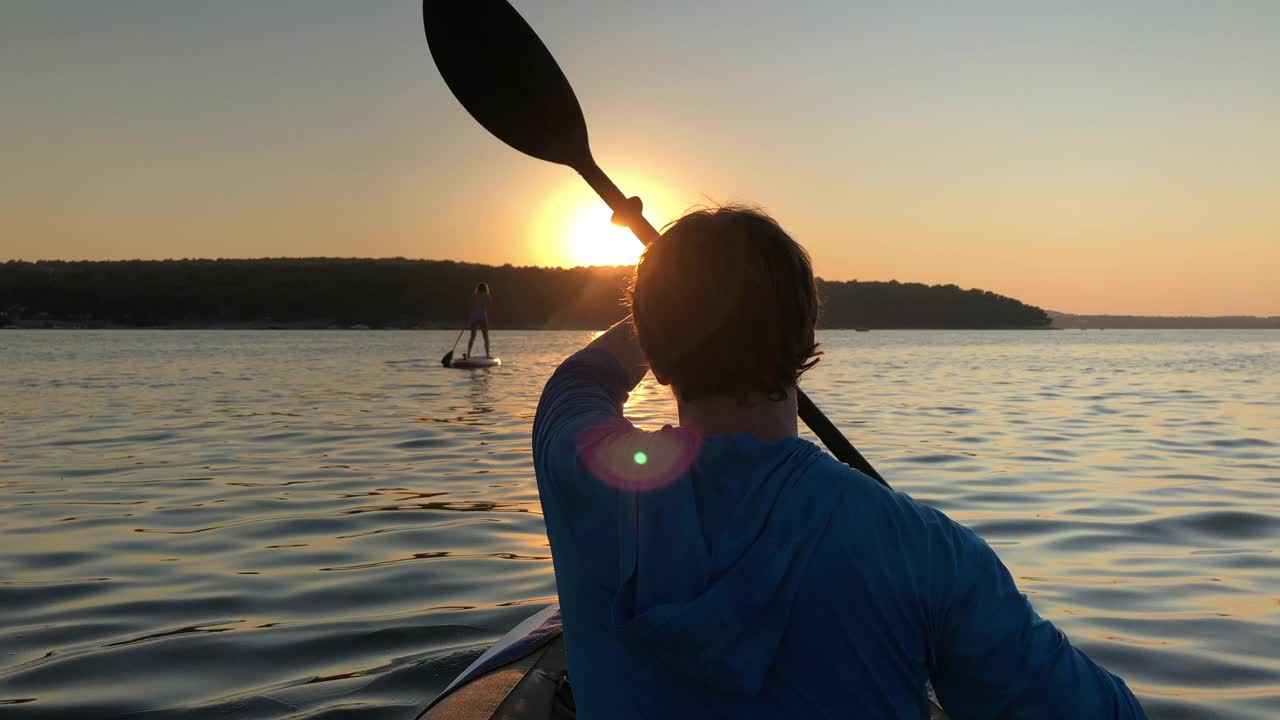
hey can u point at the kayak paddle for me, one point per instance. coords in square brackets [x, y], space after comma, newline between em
[502, 73]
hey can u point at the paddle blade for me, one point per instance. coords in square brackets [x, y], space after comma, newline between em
[500, 71]
[447, 360]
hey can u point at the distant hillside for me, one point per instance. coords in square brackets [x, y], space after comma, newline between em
[1133, 322]
[913, 305]
[327, 292]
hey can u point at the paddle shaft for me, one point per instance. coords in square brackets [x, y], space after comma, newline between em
[448, 357]
[812, 416]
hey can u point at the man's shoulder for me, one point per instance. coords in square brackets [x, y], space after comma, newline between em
[825, 468]
[867, 506]
[847, 484]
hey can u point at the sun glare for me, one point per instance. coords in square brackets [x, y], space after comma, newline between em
[591, 239]
[573, 227]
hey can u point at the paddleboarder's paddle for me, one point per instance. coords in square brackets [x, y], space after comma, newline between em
[498, 68]
[447, 360]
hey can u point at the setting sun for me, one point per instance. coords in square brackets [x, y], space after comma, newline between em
[574, 228]
[592, 239]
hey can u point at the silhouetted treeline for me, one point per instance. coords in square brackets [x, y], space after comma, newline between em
[323, 292]
[1135, 322]
[309, 292]
[914, 305]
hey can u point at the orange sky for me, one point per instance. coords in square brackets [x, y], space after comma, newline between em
[1088, 160]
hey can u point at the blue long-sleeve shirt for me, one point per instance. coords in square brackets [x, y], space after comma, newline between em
[729, 577]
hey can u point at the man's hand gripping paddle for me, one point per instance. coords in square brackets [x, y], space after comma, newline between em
[498, 68]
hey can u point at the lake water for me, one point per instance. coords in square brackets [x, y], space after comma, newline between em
[331, 525]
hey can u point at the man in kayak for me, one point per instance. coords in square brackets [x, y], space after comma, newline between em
[727, 568]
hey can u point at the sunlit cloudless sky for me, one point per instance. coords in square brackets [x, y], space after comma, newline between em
[1088, 157]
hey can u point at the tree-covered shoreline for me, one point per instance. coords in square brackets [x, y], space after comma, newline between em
[400, 293]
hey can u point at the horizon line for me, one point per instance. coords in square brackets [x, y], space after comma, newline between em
[1051, 312]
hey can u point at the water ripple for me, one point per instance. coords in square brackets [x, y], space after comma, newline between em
[315, 525]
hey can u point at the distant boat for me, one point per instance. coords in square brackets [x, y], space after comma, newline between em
[862, 329]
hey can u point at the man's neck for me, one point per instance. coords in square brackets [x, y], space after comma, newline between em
[759, 416]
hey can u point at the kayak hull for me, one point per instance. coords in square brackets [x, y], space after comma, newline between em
[523, 676]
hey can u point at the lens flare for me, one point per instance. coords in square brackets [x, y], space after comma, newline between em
[619, 455]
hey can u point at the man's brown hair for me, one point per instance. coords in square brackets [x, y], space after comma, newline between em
[724, 303]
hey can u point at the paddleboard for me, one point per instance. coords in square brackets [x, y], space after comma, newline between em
[523, 676]
[475, 362]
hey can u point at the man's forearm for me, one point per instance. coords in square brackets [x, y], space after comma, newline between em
[620, 341]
